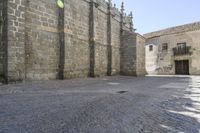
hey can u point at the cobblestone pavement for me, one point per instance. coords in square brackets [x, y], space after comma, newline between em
[102, 105]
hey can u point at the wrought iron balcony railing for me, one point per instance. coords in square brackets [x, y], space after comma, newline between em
[182, 51]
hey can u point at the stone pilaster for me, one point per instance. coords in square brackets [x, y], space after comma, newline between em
[4, 41]
[109, 41]
[61, 27]
[92, 37]
[121, 36]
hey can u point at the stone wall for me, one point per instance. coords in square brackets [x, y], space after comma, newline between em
[101, 37]
[46, 42]
[140, 55]
[128, 54]
[151, 58]
[163, 62]
[76, 39]
[41, 40]
[133, 54]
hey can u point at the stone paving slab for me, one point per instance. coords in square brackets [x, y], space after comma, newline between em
[102, 105]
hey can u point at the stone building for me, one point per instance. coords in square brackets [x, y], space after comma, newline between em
[39, 40]
[174, 51]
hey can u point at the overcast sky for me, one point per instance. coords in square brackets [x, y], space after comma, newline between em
[152, 15]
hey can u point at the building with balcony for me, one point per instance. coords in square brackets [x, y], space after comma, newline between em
[174, 50]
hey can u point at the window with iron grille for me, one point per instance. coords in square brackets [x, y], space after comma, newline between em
[181, 45]
[182, 49]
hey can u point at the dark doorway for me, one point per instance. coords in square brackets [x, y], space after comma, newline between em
[182, 67]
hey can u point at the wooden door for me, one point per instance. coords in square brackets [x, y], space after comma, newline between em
[182, 67]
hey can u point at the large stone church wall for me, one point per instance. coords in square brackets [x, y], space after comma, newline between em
[46, 42]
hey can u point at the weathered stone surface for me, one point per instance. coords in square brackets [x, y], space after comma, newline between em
[140, 55]
[42, 40]
[16, 40]
[116, 44]
[132, 54]
[45, 42]
[163, 62]
[128, 54]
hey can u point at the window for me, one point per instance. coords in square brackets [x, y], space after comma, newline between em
[150, 47]
[181, 45]
[164, 46]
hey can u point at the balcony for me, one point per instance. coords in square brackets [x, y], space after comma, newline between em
[182, 51]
